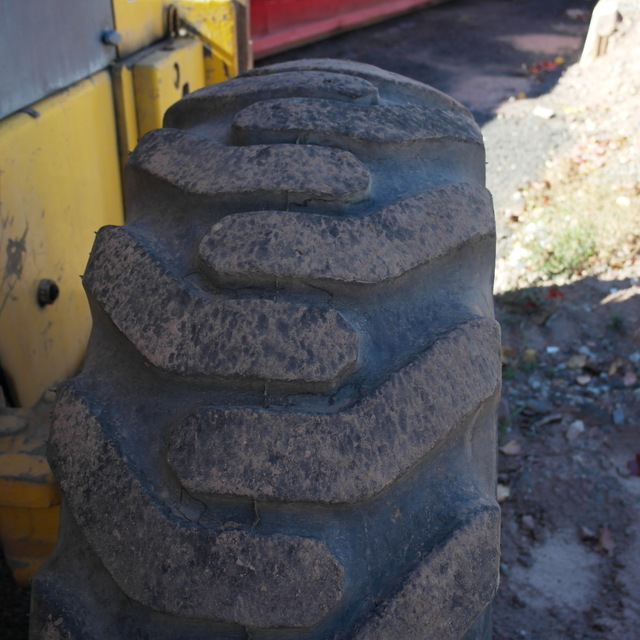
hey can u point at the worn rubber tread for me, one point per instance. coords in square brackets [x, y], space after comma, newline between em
[393, 86]
[258, 247]
[233, 95]
[438, 601]
[187, 333]
[292, 173]
[349, 456]
[348, 126]
[232, 576]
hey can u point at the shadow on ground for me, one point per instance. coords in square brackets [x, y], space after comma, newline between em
[481, 53]
[568, 429]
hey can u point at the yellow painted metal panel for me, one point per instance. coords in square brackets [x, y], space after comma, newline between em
[163, 77]
[59, 182]
[215, 23]
[28, 537]
[28, 526]
[25, 477]
[140, 22]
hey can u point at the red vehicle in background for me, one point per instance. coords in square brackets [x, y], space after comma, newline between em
[277, 25]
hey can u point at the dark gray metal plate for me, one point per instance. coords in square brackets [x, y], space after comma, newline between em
[45, 46]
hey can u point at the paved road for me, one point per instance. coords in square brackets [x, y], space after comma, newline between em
[478, 51]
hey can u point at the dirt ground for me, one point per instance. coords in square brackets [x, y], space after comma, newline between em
[562, 151]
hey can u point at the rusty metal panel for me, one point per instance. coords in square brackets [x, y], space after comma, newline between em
[48, 45]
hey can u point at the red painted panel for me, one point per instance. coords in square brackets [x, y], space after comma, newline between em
[281, 24]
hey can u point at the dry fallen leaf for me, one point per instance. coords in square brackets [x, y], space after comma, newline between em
[605, 540]
[512, 448]
[634, 466]
[616, 363]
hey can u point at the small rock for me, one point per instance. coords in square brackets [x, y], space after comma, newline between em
[575, 429]
[618, 416]
[544, 112]
[635, 357]
[630, 378]
[551, 350]
[623, 201]
[577, 361]
[504, 569]
[528, 523]
[538, 406]
[583, 380]
[503, 492]
[587, 534]
[512, 448]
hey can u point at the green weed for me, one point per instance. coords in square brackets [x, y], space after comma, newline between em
[566, 251]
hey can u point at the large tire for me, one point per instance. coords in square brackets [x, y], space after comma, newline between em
[285, 424]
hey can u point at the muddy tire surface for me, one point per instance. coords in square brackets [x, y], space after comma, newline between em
[285, 424]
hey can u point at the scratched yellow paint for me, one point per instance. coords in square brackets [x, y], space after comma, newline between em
[139, 22]
[163, 76]
[59, 183]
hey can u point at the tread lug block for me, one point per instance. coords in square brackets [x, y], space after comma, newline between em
[392, 86]
[185, 332]
[350, 456]
[285, 425]
[279, 176]
[203, 107]
[359, 129]
[258, 247]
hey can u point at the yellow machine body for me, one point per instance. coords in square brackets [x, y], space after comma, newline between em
[163, 77]
[61, 160]
[59, 182]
